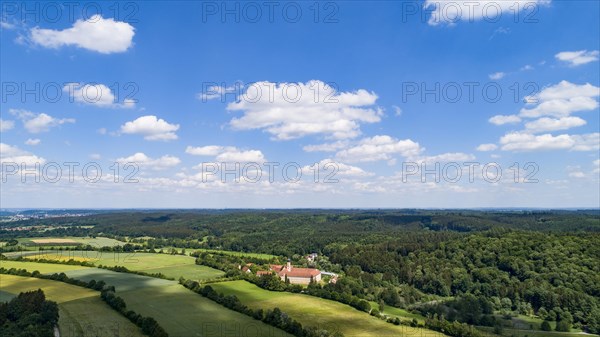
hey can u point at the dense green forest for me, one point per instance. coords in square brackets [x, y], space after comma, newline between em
[29, 314]
[469, 266]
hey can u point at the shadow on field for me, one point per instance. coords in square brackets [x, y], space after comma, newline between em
[121, 281]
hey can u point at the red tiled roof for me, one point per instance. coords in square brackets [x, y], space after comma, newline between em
[300, 272]
[276, 267]
[295, 272]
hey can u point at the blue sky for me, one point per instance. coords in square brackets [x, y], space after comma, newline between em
[178, 83]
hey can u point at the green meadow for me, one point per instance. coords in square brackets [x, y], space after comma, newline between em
[314, 311]
[522, 325]
[121, 281]
[398, 312]
[81, 311]
[178, 310]
[44, 268]
[173, 266]
[182, 312]
[528, 322]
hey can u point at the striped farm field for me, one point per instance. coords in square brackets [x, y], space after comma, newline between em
[121, 281]
[182, 312]
[178, 310]
[96, 242]
[81, 311]
[44, 268]
[54, 241]
[173, 266]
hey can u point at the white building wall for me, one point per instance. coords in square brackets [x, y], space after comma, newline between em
[302, 280]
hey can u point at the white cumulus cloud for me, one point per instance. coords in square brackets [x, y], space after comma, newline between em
[561, 100]
[141, 159]
[576, 174]
[551, 124]
[43, 123]
[503, 119]
[496, 76]
[6, 125]
[32, 141]
[12, 154]
[97, 34]
[381, 147]
[240, 156]
[36, 123]
[215, 92]
[294, 110]
[227, 154]
[97, 95]
[329, 166]
[521, 142]
[487, 147]
[579, 57]
[209, 150]
[152, 128]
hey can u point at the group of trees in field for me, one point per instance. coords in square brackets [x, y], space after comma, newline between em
[465, 308]
[28, 315]
[452, 328]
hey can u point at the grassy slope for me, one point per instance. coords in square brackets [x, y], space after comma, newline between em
[313, 311]
[81, 311]
[184, 313]
[525, 322]
[121, 281]
[170, 265]
[392, 311]
[44, 268]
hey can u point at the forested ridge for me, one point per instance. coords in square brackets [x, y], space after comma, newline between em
[535, 271]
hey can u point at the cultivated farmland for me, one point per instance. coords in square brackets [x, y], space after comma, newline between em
[81, 311]
[172, 266]
[44, 268]
[96, 242]
[182, 312]
[161, 299]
